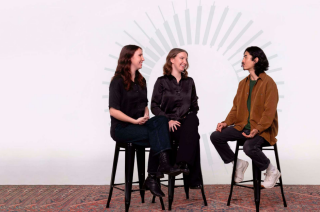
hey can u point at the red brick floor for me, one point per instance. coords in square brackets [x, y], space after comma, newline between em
[94, 198]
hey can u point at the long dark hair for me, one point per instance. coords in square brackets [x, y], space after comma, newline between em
[263, 64]
[124, 67]
[167, 68]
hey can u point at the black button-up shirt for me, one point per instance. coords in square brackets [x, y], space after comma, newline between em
[131, 102]
[172, 99]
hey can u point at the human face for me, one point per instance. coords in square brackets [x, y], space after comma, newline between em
[180, 62]
[137, 60]
[247, 63]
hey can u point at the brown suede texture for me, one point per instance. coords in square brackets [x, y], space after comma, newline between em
[263, 113]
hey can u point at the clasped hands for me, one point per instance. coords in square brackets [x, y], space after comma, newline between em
[253, 132]
[142, 120]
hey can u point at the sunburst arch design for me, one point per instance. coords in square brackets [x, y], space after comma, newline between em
[154, 50]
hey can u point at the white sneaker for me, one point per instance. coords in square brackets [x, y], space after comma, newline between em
[242, 166]
[271, 178]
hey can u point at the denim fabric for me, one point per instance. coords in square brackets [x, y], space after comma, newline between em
[154, 133]
[251, 146]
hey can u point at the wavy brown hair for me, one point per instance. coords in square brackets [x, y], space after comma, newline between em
[167, 68]
[124, 67]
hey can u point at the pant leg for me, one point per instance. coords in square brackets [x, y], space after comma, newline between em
[159, 141]
[220, 142]
[252, 148]
[188, 139]
[153, 133]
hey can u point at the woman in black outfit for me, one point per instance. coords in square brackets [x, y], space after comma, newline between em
[130, 116]
[174, 96]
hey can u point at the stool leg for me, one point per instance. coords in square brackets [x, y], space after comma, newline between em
[113, 174]
[153, 199]
[141, 170]
[171, 185]
[162, 204]
[233, 173]
[129, 165]
[280, 179]
[203, 194]
[257, 185]
[186, 185]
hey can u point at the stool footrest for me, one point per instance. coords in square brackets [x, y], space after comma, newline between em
[116, 184]
[133, 190]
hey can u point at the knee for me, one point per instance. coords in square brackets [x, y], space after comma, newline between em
[249, 149]
[214, 137]
[162, 120]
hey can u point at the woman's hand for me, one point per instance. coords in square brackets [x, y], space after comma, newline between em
[173, 125]
[141, 120]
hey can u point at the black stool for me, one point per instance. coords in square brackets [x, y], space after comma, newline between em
[256, 175]
[171, 181]
[129, 150]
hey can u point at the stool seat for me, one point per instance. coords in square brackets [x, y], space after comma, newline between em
[256, 174]
[130, 149]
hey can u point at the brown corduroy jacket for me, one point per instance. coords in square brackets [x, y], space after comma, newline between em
[263, 113]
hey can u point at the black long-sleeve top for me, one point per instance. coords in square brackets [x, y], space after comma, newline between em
[172, 99]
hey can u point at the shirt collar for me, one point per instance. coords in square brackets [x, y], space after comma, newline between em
[262, 76]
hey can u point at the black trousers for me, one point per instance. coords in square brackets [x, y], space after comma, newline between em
[251, 146]
[188, 139]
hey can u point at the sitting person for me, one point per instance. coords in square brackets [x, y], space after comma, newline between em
[254, 116]
[174, 96]
[130, 116]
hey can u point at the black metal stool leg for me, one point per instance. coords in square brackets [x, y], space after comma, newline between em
[114, 170]
[161, 200]
[153, 199]
[233, 172]
[186, 185]
[280, 179]
[141, 170]
[257, 185]
[202, 192]
[129, 165]
[162, 204]
[171, 185]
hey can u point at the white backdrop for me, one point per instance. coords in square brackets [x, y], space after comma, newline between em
[57, 58]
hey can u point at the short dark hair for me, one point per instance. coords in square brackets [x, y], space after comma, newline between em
[263, 64]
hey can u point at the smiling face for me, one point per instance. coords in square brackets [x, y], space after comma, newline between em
[180, 62]
[137, 60]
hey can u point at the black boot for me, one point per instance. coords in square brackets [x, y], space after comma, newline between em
[151, 183]
[165, 167]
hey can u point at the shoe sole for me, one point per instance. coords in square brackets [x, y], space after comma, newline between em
[275, 182]
[245, 168]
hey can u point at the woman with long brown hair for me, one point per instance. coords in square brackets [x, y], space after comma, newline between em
[128, 106]
[174, 96]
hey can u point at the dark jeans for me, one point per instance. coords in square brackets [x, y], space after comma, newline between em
[187, 138]
[251, 146]
[153, 133]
